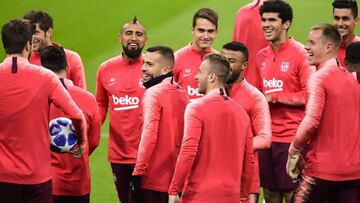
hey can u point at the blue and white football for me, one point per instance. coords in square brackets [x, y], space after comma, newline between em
[62, 135]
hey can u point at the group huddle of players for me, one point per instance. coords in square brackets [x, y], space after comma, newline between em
[196, 125]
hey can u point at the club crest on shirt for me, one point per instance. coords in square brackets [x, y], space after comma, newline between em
[187, 72]
[284, 67]
[112, 81]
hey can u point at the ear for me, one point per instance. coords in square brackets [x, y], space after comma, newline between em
[356, 21]
[165, 70]
[329, 47]
[211, 78]
[244, 66]
[286, 25]
[49, 32]
[27, 49]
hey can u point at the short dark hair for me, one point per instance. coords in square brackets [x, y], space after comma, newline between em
[330, 32]
[15, 35]
[165, 52]
[134, 21]
[237, 46]
[278, 6]
[353, 53]
[53, 58]
[219, 65]
[349, 4]
[42, 18]
[207, 14]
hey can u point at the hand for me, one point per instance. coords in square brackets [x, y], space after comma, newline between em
[81, 131]
[268, 98]
[174, 199]
[135, 189]
[294, 162]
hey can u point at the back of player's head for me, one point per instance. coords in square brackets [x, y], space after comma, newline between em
[330, 33]
[54, 58]
[219, 65]
[40, 17]
[207, 14]
[166, 53]
[348, 4]
[237, 46]
[15, 35]
[353, 53]
[278, 6]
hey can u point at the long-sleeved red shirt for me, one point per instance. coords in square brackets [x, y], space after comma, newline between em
[256, 106]
[342, 51]
[70, 175]
[216, 151]
[119, 88]
[187, 63]
[163, 126]
[331, 125]
[75, 71]
[248, 30]
[26, 93]
[284, 75]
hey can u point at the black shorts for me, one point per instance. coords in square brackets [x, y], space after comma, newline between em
[26, 193]
[313, 189]
[71, 199]
[272, 166]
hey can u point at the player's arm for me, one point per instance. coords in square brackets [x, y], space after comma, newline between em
[77, 70]
[261, 122]
[101, 97]
[149, 134]
[296, 98]
[248, 166]
[189, 149]
[62, 100]
[94, 127]
[314, 109]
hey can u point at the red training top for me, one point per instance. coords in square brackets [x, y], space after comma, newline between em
[163, 127]
[331, 125]
[119, 87]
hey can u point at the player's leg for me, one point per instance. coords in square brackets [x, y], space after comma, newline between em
[10, 192]
[122, 178]
[344, 191]
[151, 196]
[311, 189]
[37, 193]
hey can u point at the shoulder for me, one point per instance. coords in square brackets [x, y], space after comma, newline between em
[110, 63]
[181, 52]
[72, 54]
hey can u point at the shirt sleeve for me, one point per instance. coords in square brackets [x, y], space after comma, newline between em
[314, 109]
[94, 127]
[248, 166]
[149, 134]
[77, 73]
[296, 98]
[101, 97]
[261, 123]
[189, 148]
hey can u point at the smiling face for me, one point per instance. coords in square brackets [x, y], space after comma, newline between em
[315, 47]
[202, 77]
[237, 64]
[203, 34]
[153, 66]
[41, 39]
[344, 20]
[274, 29]
[133, 39]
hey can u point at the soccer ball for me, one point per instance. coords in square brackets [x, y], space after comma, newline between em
[62, 135]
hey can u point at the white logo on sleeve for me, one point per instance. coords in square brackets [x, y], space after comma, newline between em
[275, 85]
[125, 102]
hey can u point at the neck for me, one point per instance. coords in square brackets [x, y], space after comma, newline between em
[276, 44]
[240, 79]
[128, 58]
[217, 86]
[348, 39]
[61, 74]
[22, 55]
[197, 48]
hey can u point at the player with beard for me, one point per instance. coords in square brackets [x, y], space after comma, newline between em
[352, 59]
[119, 88]
[284, 72]
[248, 30]
[42, 39]
[217, 144]
[189, 58]
[253, 102]
[163, 109]
[345, 18]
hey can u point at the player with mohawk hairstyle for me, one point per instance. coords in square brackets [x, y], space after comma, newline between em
[119, 88]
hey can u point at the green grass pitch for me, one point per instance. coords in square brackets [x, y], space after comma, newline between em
[91, 28]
